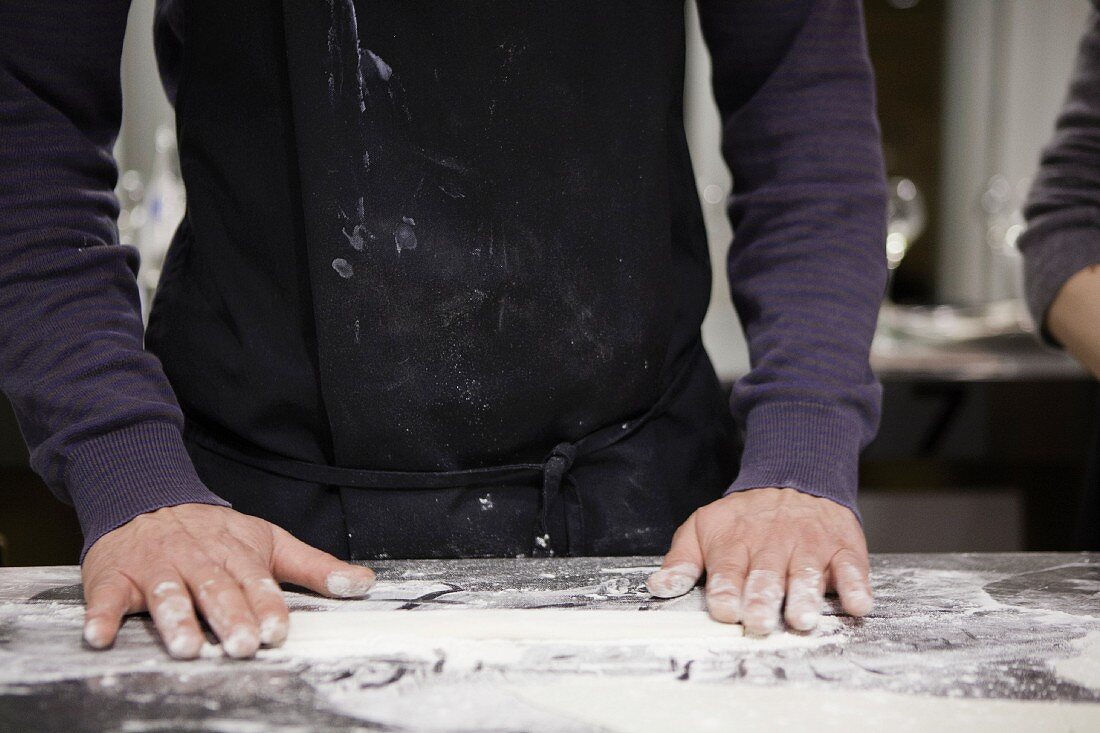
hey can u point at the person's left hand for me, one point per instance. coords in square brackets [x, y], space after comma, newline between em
[763, 545]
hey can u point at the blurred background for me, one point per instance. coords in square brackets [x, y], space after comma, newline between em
[987, 436]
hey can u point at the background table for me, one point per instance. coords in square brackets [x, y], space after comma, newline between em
[948, 626]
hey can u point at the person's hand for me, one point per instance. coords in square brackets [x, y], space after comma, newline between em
[226, 564]
[763, 545]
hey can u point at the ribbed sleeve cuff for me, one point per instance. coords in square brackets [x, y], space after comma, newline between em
[810, 447]
[138, 469]
[1050, 259]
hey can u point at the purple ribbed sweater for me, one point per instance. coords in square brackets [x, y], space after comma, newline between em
[807, 269]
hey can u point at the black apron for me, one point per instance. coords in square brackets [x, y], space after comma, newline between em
[491, 263]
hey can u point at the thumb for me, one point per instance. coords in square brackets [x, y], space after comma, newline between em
[294, 561]
[682, 565]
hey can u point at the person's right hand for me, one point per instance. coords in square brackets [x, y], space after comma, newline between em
[227, 564]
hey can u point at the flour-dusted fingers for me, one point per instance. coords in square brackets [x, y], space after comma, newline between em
[224, 606]
[169, 604]
[265, 598]
[268, 606]
[727, 565]
[109, 597]
[296, 562]
[762, 596]
[682, 566]
[850, 578]
[805, 591]
[226, 561]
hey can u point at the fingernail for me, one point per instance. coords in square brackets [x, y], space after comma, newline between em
[273, 631]
[763, 596]
[854, 591]
[242, 642]
[760, 618]
[724, 607]
[804, 600]
[95, 635]
[344, 584]
[723, 599]
[850, 575]
[674, 581]
[760, 621]
[805, 620]
[184, 646]
[860, 601]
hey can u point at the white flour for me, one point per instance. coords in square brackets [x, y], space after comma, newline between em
[1083, 669]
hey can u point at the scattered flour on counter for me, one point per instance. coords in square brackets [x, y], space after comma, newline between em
[1083, 669]
[631, 571]
[624, 704]
[210, 725]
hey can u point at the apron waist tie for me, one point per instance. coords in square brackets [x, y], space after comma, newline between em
[555, 472]
[557, 483]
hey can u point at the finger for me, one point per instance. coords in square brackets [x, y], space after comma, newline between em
[727, 563]
[682, 565]
[264, 598]
[763, 594]
[850, 576]
[224, 607]
[108, 599]
[268, 606]
[805, 592]
[298, 563]
[169, 604]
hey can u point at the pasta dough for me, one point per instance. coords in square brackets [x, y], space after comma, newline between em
[507, 625]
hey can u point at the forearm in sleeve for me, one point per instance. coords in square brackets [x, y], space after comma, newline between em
[96, 410]
[807, 265]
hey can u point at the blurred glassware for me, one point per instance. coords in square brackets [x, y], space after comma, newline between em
[131, 214]
[1002, 205]
[907, 218]
[952, 324]
[163, 208]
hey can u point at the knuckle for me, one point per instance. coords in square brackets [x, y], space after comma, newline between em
[846, 556]
[768, 558]
[161, 585]
[173, 611]
[723, 540]
[715, 513]
[262, 584]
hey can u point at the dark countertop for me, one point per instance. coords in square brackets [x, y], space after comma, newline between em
[947, 630]
[1014, 358]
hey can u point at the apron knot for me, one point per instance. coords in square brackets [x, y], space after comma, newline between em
[555, 473]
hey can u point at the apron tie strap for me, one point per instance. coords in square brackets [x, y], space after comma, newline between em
[555, 472]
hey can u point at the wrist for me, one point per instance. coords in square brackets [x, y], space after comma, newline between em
[128, 472]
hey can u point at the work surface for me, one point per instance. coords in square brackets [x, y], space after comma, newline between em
[1011, 642]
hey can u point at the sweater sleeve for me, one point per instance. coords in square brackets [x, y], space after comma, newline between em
[807, 264]
[101, 422]
[1063, 208]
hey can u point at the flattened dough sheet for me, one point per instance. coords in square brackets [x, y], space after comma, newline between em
[543, 624]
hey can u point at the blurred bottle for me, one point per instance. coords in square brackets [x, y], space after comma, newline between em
[907, 218]
[1002, 205]
[131, 201]
[162, 210]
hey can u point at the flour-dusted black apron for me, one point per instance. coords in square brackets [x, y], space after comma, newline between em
[502, 270]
